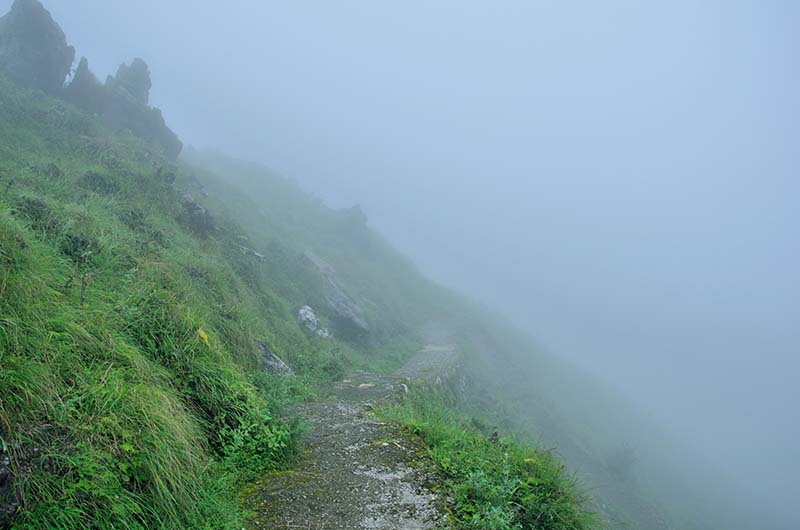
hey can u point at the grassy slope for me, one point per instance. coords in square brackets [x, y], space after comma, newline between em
[132, 391]
[132, 394]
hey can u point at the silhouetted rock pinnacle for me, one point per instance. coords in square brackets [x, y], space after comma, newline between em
[33, 48]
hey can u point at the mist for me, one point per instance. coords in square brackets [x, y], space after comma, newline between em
[618, 179]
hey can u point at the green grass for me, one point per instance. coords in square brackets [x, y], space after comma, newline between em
[99, 434]
[132, 391]
[495, 483]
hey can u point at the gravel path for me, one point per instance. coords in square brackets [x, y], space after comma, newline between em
[355, 471]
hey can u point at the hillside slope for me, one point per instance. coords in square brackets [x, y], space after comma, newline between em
[145, 307]
[159, 315]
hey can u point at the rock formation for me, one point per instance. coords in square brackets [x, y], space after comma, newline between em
[34, 53]
[33, 50]
[122, 103]
[272, 362]
[134, 79]
[85, 90]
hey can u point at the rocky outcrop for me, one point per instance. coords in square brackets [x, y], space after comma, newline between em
[33, 49]
[347, 315]
[344, 308]
[307, 317]
[133, 79]
[125, 106]
[34, 53]
[85, 91]
[271, 362]
[196, 217]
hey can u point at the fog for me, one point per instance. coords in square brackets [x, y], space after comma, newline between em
[618, 178]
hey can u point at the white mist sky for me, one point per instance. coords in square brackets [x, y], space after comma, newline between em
[620, 178]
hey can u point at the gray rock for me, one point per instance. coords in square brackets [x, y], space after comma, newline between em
[343, 307]
[135, 80]
[272, 362]
[307, 317]
[33, 49]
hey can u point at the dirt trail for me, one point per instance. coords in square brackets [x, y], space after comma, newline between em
[356, 472]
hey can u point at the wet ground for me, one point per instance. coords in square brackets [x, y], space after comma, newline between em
[355, 471]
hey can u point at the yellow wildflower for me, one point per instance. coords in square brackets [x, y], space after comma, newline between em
[204, 336]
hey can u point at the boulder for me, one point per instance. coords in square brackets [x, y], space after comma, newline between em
[33, 49]
[307, 317]
[272, 363]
